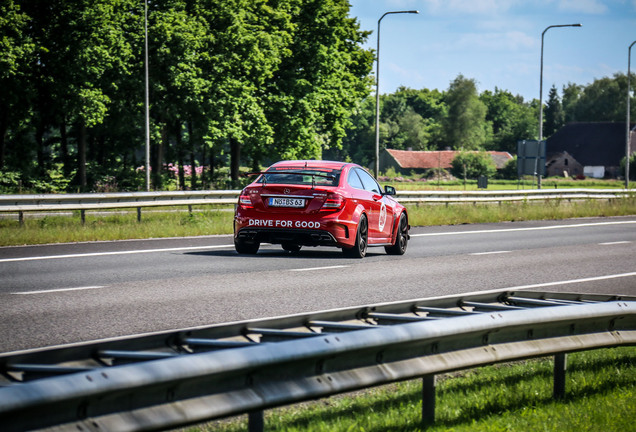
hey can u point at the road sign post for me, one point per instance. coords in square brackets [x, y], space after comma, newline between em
[531, 159]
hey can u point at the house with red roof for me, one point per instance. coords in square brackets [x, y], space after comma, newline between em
[406, 161]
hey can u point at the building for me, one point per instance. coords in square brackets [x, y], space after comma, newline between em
[406, 161]
[593, 149]
[563, 165]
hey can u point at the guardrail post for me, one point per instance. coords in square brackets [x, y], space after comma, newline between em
[428, 400]
[255, 421]
[138, 214]
[21, 218]
[560, 367]
[83, 216]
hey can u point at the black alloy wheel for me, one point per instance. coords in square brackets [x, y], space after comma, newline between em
[359, 249]
[401, 238]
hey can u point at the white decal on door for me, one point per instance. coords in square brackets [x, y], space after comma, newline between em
[382, 217]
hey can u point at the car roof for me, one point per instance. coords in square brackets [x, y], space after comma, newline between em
[312, 164]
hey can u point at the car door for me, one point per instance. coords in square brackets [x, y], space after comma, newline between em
[376, 203]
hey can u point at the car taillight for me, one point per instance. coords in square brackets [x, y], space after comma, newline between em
[245, 201]
[333, 202]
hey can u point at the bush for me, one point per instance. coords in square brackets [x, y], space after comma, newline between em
[509, 171]
[632, 166]
[10, 182]
[473, 164]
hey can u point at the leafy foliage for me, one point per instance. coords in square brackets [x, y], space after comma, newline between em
[554, 115]
[255, 80]
[472, 164]
[465, 125]
[233, 83]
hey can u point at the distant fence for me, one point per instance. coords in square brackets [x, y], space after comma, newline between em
[21, 204]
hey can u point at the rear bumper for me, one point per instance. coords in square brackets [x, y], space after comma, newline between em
[295, 236]
[323, 229]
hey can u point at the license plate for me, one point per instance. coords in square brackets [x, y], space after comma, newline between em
[287, 202]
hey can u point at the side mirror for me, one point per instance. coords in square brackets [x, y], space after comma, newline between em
[389, 190]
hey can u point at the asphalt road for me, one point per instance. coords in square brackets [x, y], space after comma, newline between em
[58, 294]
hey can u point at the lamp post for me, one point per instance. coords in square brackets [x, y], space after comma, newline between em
[147, 98]
[377, 93]
[627, 146]
[541, 96]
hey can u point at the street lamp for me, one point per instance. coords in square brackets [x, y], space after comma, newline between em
[541, 94]
[147, 98]
[627, 149]
[377, 92]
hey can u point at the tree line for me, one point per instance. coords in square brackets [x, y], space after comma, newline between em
[462, 118]
[232, 83]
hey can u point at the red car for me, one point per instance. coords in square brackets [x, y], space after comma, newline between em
[319, 203]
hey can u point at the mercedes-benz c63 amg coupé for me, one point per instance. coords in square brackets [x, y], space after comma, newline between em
[319, 203]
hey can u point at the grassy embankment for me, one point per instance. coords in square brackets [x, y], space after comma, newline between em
[209, 220]
[601, 390]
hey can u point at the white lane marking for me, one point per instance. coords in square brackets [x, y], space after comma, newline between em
[614, 243]
[319, 268]
[573, 281]
[57, 290]
[230, 245]
[551, 227]
[490, 253]
[94, 254]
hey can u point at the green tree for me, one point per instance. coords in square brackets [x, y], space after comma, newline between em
[358, 144]
[82, 50]
[411, 119]
[603, 100]
[571, 95]
[472, 164]
[178, 42]
[465, 127]
[511, 119]
[416, 130]
[554, 116]
[17, 47]
[320, 81]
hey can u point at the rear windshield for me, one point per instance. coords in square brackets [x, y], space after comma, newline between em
[301, 176]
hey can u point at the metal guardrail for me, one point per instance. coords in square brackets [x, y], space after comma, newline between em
[173, 379]
[511, 195]
[103, 201]
[21, 204]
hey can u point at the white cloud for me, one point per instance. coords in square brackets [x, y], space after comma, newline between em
[584, 6]
[498, 7]
[507, 41]
[480, 7]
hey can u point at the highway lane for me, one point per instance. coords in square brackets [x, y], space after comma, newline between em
[56, 294]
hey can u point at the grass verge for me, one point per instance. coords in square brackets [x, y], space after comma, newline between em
[520, 211]
[116, 226]
[601, 390]
[207, 221]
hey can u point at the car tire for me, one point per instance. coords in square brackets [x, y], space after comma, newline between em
[359, 249]
[291, 247]
[243, 247]
[401, 237]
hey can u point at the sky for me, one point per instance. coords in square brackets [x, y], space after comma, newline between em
[498, 42]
